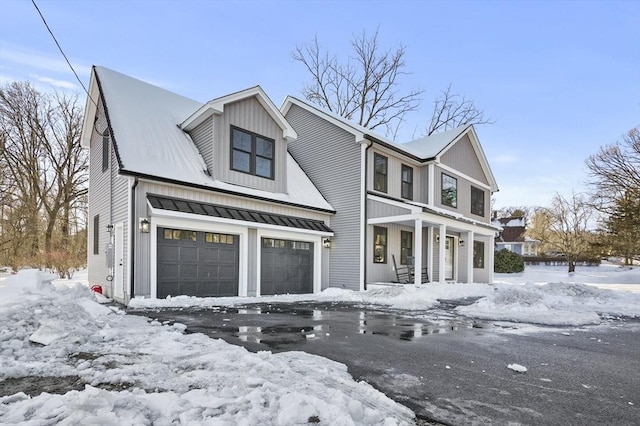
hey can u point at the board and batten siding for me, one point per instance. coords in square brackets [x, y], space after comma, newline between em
[143, 244]
[394, 176]
[331, 158]
[248, 114]
[383, 272]
[202, 137]
[462, 157]
[463, 196]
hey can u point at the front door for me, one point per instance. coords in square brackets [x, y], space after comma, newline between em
[118, 278]
[448, 258]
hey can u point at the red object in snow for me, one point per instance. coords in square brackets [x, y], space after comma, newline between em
[97, 288]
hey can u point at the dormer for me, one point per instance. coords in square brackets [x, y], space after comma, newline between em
[243, 139]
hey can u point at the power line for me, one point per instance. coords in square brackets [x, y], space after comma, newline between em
[61, 51]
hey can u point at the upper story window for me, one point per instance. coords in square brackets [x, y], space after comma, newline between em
[380, 167]
[406, 190]
[105, 151]
[449, 191]
[252, 153]
[477, 201]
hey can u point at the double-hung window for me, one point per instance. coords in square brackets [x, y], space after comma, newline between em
[380, 170]
[406, 191]
[477, 201]
[449, 191]
[252, 153]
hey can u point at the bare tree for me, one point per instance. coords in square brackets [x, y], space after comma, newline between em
[451, 110]
[365, 88]
[615, 170]
[45, 172]
[563, 227]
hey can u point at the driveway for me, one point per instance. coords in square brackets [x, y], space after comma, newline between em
[451, 370]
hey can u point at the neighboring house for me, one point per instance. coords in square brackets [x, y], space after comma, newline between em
[194, 199]
[513, 238]
[428, 199]
[236, 197]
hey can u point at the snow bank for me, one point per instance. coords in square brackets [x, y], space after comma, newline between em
[161, 375]
[553, 304]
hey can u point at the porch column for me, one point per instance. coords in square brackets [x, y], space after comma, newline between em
[441, 255]
[430, 253]
[417, 258]
[469, 245]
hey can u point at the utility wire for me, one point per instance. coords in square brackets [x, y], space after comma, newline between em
[61, 51]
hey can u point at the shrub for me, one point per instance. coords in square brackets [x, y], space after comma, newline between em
[506, 262]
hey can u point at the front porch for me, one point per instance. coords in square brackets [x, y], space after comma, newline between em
[448, 249]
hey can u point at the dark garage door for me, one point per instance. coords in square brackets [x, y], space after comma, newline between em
[195, 263]
[286, 267]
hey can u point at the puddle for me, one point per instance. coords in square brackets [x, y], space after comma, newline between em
[285, 326]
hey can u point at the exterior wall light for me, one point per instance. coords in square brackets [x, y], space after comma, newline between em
[144, 225]
[437, 238]
[326, 243]
[461, 242]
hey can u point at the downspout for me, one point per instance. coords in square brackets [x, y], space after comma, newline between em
[133, 227]
[367, 144]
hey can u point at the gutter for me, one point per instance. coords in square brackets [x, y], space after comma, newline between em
[369, 144]
[132, 244]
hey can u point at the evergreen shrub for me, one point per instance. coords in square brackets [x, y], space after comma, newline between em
[506, 262]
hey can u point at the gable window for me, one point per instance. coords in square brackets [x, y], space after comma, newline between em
[96, 234]
[105, 152]
[379, 244]
[252, 153]
[380, 167]
[406, 246]
[449, 191]
[477, 201]
[406, 191]
[478, 254]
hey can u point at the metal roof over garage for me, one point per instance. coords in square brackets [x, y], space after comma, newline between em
[214, 210]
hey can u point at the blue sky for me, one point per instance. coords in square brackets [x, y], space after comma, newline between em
[558, 78]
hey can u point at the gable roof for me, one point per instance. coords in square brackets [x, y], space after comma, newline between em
[144, 124]
[428, 148]
[216, 106]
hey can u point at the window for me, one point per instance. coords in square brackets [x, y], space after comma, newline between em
[406, 246]
[379, 244]
[96, 234]
[478, 254]
[177, 234]
[477, 201]
[380, 167]
[407, 182]
[449, 191]
[251, 153]
[218, 238]
[105, 152]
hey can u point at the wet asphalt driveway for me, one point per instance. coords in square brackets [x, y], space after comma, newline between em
[451, 370]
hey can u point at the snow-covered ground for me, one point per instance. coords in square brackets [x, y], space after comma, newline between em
[540, 295]
[142, 372]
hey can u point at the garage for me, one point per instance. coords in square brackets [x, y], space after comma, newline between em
[195, 263]
[286, 267]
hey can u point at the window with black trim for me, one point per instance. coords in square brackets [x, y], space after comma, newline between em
[105, 152]
[96, 234]
[406, 246]
[252, 153]
[477, 201]
[406, 191]
[478, 254]
[379, 244]
[380, 172]
[449, 191]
